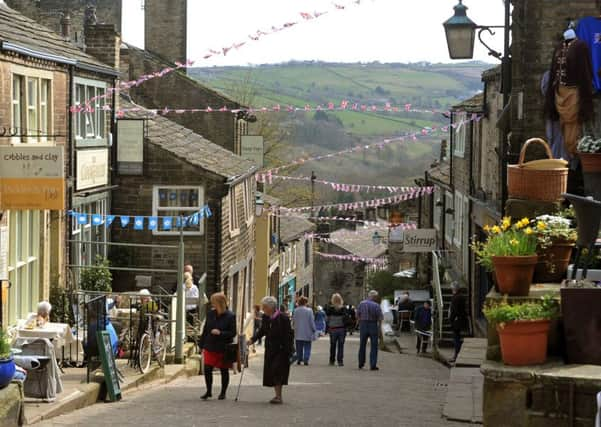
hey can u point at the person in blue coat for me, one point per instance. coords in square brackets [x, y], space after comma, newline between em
[320, 321]
[304, 330]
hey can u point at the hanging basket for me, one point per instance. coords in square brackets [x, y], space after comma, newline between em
[546, 185]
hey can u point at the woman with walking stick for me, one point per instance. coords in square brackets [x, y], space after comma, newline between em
[279, 347]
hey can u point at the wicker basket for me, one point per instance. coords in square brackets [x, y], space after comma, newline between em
[546, 185]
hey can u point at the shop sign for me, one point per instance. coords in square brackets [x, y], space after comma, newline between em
[423, 240]
[252, 149]
[92, 168]
[130, 147]
[32, 178]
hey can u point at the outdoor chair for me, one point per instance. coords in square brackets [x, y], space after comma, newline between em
[427, 335]
[44, 381]
[405, 317]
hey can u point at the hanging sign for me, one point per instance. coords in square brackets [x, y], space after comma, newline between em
[130, 146]
[252, 149]
[32, 178]
[92, 168]
[420, 240]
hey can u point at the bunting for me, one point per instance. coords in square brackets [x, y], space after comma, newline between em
[382, 261]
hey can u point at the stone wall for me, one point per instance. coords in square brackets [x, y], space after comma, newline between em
[165, 28]
[103, 43]
[344, 277]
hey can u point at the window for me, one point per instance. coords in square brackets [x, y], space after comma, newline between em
[23, 262]
[449, 222]
[460, 133]
[437, 211]
[175, 201]
[31, 108]
[466, 235]
[248, 202]
[90, 124]
[307, 252]
[459, 219]
[234, 220]
[294, 258]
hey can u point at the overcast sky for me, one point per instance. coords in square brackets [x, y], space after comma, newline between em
[378, 30]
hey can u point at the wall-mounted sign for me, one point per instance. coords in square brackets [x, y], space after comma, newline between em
[92, 168]
[252, 149]
[419, 240]
[32, 178]
[130, 147]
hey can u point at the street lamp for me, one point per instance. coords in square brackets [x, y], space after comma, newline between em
[259, 205]
[376, 238]
[461, 33]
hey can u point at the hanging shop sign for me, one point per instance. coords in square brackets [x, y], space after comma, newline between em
[32, 178]
[130, 146]
[420, 240]
[252, 149]
[92, 168]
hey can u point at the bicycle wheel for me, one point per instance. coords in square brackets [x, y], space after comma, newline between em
[144, 353]
[163, 342]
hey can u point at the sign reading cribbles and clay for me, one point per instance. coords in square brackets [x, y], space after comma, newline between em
[32, 178]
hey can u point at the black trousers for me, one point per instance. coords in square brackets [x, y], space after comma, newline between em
[225, 379]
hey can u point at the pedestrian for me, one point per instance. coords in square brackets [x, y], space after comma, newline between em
[278, 334]
[405, 308]
[423, 325]
[257, 322]
[192, 295]
[369, 315]
[352, 319]
[320, 321]
[458, 317]
[338, 320]
[219, 331]
[304, 330]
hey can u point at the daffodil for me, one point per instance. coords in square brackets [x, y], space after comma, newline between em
[506, 223]
[514, 242]
[496, 229]
[541, 225]
[522, 223]
[487, 228]
[528, 231]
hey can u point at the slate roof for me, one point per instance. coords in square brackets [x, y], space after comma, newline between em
[441, 173]
[191, 147]
[360, 243]
[291, 228]
[473, 104]
[19, 32]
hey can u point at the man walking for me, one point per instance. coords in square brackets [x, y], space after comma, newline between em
[369, 314]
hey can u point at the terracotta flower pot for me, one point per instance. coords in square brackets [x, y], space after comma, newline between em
[591, 162]
[591, 172]
[514, 274]
[524, 342]
[553, 262]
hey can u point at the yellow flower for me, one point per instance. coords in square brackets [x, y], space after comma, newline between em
[514, 242]
[487, 228]
[522, 223]
[528, 231]
[496, 229]
[541, 225]
[506, 223]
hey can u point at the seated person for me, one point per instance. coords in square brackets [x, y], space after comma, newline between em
[405, 303]
[147, 306]
[191, 294]
[39, 319]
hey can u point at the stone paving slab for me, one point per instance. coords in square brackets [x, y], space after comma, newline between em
[473, 352]
[464, 395]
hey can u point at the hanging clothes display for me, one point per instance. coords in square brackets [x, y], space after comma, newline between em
[570, 96]
[589, 31]
[553, 127]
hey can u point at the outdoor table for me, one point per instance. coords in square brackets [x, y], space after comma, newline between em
[59, 333]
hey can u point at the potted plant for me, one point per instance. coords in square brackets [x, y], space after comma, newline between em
[97, 278]
[523, 329]
[510, 252]
[589, 151]
[556, 240]
[7, 364]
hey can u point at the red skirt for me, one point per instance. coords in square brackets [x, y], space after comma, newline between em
[215, 360]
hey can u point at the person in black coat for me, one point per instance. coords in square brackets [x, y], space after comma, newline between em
[458, 317]
[218, 332]
[279, 347]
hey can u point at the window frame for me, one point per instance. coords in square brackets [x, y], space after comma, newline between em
[459, 220]
[308, 252]
[99, 135]
[248, 202]
[437, 210]
[460, 137]
[157, 209]
[234, 219]
[449, 220]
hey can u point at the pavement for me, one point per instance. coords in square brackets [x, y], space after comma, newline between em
[406, 391]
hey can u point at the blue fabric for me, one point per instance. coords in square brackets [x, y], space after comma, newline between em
[423, 319]
[337, 337]
[304, 324]
[303, 351]
[589, 31]
[368, 330]
[320, 321]
[369, 310]
[113, 335]
[553, 128]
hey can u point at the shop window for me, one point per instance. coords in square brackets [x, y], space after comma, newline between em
[178, 201]
[31, 108]
[90, 123]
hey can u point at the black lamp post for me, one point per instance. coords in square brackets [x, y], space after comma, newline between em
[461, 33]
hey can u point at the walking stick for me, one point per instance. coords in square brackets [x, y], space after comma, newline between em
[243, 364]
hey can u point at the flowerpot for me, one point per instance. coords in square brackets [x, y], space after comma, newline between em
[553, 262]
[591, 162]
[524, 342]
[591, 172]
[514, 274]
[7, 371]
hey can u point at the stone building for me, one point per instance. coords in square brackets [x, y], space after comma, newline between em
[267, 246]
[348, 278]
[41, 75]
[181, 173]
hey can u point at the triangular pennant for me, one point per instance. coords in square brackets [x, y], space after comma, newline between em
[167, 223]
[153, 223]
[139, 223]
[109, 220]
[124, 220]
[82, 219]
[96, 219]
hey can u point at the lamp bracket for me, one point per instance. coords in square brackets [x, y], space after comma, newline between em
[491, 51]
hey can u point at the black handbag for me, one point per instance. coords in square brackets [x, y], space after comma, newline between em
[230, 355]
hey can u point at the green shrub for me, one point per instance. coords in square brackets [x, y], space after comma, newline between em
[4, 345]
[61, 308]
[546, 309]
[98, 278]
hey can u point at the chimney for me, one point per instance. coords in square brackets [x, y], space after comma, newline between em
[443, 150]
[165, 28]
[103, 42]
[65, 25]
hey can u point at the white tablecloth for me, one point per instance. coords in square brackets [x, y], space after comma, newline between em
[59, 333]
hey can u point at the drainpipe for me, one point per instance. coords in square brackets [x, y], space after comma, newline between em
[72, 170]
[218, 213]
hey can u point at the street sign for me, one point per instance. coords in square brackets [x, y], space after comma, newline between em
[252, 149]
[423, 240]
[32, 178]
[130, 146]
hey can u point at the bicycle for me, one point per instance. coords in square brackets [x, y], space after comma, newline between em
[154, 342]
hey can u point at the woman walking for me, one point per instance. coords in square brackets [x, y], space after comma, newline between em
[218, 332]
[338, 320]
[320, 321]
[304, 330]
[277, 331]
